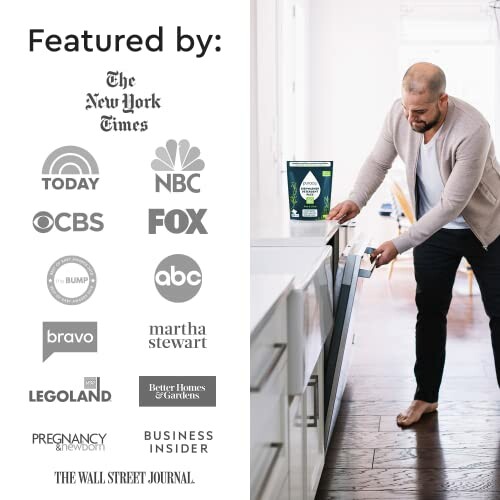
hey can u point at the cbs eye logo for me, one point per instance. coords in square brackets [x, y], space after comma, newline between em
[178, 278]
[43, 222]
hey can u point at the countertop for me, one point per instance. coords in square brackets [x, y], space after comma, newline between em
[266, 290]
[268, 231]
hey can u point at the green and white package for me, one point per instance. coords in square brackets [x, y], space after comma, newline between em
[309, 189]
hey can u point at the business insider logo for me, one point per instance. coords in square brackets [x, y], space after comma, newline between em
[179, 165]
[43, 222]
[91, 393]
[71, 280]
[70, 168]
[178, 278]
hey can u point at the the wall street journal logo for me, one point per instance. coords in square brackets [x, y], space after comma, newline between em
[91, 393]
[71, 280]
[67, 336]
[179, 165]
[71, 168]
[44, 222]
[71, 441]
[178, 278]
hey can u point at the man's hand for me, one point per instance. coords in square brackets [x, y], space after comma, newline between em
[386, 252]
[343, 211]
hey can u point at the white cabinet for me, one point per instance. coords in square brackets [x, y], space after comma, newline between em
[269, 388]
[269, 437]
[306, 437]
[310, 304]
[314, 450]
[296, 433]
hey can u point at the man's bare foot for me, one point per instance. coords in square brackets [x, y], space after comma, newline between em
[416, 409]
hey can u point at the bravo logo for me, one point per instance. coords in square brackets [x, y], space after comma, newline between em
[177, 221]
[70, 168]
[178, 165]
[43, 222]
[69, 336]
[178, 278]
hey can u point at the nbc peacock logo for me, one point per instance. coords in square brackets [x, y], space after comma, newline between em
[177, 166]
[70, 168]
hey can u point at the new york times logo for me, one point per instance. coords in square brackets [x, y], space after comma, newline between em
[91, 393]
[71, 442]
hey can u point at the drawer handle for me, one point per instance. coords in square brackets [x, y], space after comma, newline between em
[277, 447]
[367, 273]
[280, 349]
[314, 382]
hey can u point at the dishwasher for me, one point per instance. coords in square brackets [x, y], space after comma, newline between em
[353, 263]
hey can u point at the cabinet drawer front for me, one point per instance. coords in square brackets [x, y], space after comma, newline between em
[267, 348]
[269, 436]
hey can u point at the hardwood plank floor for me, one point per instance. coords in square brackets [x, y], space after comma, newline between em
[451, 454]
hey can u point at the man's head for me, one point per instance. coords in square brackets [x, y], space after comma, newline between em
[424, 97]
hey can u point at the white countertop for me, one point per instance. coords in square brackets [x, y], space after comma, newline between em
[269, 231]
[266, 290]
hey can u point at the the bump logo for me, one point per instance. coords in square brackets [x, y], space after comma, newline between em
[70, 168]
[178, 278]
[71, 280]
[179, 165]
[44, 222]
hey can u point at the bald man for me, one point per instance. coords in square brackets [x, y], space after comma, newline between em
[454, 184]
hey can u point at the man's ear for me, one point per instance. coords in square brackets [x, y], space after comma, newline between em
[443, 99]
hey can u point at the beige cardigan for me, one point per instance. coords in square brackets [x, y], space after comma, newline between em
[468, 167]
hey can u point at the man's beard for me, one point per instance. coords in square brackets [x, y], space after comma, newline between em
[424, 128]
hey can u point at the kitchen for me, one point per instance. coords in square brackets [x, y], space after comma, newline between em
[320, 90]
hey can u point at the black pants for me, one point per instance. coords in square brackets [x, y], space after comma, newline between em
[436, 262]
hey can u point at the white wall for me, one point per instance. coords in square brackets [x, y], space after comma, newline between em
[354, 80]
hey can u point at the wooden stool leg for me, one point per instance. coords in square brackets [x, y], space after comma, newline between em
[391, 267]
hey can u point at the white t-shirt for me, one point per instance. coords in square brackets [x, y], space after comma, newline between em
[429, 183]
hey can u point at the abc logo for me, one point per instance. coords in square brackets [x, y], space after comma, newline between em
[43, 222]
[178, 278]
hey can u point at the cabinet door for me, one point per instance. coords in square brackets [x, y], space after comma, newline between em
[269, 435]
[314, 429]
[296, 429]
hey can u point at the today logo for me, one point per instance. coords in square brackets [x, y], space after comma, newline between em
[70, 168]
[178, 164]
[178, 278]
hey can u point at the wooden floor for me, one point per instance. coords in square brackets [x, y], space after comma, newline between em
[451, 454]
